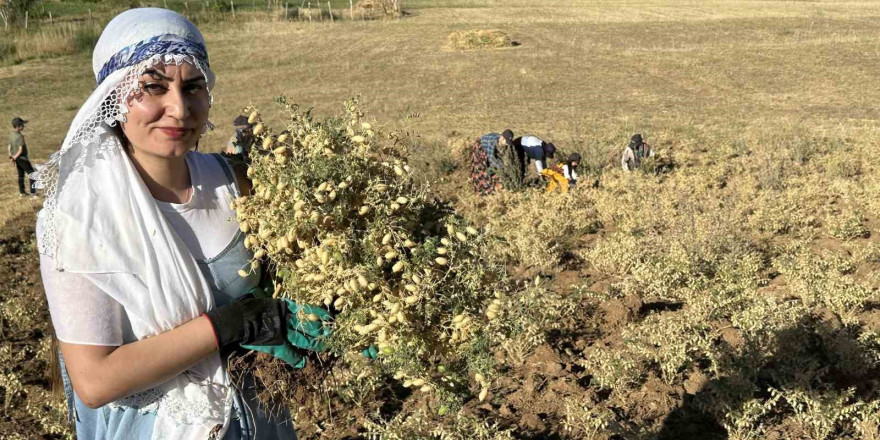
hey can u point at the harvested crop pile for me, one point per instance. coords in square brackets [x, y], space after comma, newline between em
[479, 39]
[337, 212]
[378, 9]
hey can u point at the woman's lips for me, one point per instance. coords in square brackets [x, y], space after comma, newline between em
[174, 133]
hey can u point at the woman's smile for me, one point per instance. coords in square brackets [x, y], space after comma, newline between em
[175, 132]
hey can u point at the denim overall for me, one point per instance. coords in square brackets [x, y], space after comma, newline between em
[250, 421]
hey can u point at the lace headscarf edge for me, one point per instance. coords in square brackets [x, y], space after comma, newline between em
[87, 141]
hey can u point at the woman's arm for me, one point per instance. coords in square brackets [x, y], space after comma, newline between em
[102, 374]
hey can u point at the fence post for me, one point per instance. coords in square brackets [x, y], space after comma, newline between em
[351, 9]
[232, 5]
[310, 11]
[50, 16]
[286, 8]
[330, 9]
[25, 19]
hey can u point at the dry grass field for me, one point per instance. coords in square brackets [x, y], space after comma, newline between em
[733, 296]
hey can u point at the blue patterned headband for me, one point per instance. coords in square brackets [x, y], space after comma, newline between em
[169, 44]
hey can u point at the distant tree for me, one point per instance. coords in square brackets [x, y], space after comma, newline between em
[14, 11]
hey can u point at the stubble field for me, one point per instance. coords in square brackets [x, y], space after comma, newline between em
[730, 294]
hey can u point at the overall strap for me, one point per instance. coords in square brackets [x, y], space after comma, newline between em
[228, 172]
[239, 171]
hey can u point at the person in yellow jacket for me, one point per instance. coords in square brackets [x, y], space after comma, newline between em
[562, 175]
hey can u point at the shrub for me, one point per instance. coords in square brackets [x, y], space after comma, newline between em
[848, 226]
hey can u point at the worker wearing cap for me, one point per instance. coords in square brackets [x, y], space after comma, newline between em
[634, 153]
[239, 142]
[18, 155]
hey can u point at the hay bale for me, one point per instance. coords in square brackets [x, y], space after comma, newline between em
[479, 39]
[372, 9]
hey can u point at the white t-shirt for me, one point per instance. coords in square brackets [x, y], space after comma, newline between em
[531, 141]
[570, 174]
[204, 222]
[83, 313]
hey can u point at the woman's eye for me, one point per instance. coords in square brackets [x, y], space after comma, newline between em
[153, 88]
[194, 88]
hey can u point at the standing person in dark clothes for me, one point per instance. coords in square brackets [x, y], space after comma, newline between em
[532, 148]
[18, 155]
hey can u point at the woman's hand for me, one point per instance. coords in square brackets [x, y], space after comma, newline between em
[103, 374]
[254, 321]
[306, 329]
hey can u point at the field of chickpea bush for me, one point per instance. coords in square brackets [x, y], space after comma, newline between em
[727, 291]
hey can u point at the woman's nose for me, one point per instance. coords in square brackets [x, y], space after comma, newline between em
[176, 104]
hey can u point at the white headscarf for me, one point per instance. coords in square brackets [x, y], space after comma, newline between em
[101, 221]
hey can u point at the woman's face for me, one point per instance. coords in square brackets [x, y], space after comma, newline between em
[168, 112]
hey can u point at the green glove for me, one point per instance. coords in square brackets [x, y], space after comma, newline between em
[305, 334]
[371, 352]
[285, 352]
[301, 334]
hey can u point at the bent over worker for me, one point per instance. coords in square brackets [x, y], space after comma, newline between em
[562, 175]
[485, 163]
[532, 148]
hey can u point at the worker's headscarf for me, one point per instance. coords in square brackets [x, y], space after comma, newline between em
[100, 220]
[549, 150]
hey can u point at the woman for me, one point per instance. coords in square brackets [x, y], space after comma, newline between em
[532, 148]
[634, 153]
[139, 257]
[242, 137]
[483, 157]
[562, 175]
